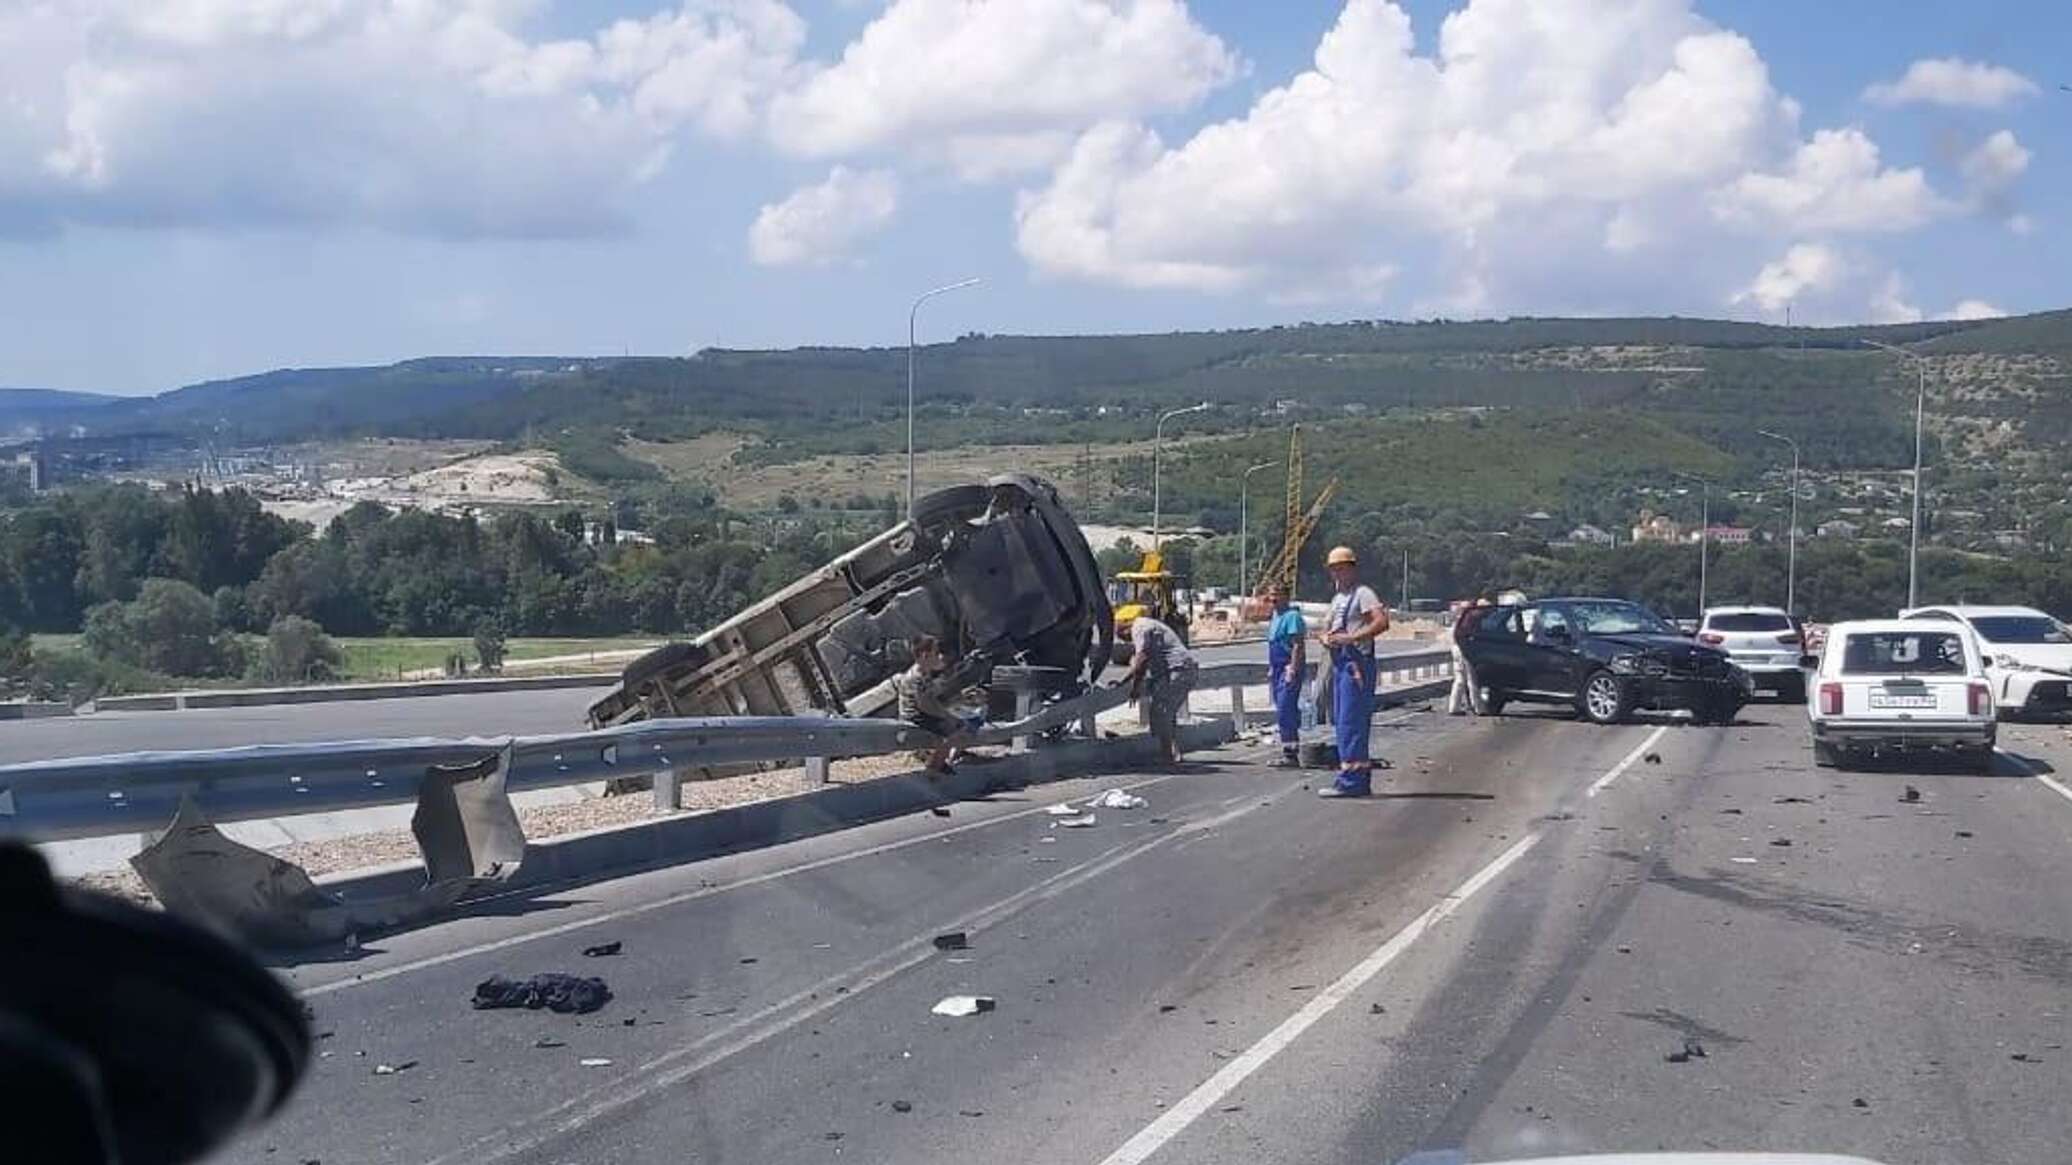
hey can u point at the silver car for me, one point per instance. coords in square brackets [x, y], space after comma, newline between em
[1765, 642]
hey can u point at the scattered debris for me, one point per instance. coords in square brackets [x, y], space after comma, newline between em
[748, 960]
[1166, 1007]
[902, 1106]
[974, 1112]
[940, 810]
[1085, 821]
[1117, 799]
[1963, 833]
[1735, 812]
[954, 940]
[1625, 950]
[1781, 842]
[593, 1062]
[2019, 1057]
[1742, 861]
[549, 1042]
[1653, 758]
[957, 1006]
[831, 1136]
[1678, 1057]
[1046, 841]
[1859, 1102]
[1376, 1009]
[1232, 1108]
[1694, 1049]
[1791, 800]
[553, 991]
[1911, 796]
[602, 950]
[391, 1070]
[1062, 809]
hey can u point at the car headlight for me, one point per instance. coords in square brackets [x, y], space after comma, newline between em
[1626, 665]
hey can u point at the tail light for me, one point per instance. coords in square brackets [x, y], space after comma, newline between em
[1830, 699]
[1712, 637]
[1788, 638]
[1981, 699]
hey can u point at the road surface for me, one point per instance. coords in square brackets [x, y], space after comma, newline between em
[1522, 947]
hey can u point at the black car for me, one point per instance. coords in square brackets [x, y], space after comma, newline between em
[1606, 657]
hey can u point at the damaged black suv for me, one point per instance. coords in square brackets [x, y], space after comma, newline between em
[1608, 658]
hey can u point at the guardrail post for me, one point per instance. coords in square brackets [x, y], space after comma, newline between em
[1237, 707]
[1024, 707]
[668, 790]
[817, 770]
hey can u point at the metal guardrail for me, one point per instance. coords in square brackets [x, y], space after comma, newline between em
[465, 825]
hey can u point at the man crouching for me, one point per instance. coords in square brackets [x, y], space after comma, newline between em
[1161, 673]
[920, 706]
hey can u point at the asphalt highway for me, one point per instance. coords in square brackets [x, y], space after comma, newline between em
[1538, 939]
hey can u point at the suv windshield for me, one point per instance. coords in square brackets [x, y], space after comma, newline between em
[1617, 618]
[1904, 652]
[1749, 621]
[2021, 629]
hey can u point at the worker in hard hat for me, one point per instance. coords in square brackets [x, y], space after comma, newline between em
[1285, 663]
[1357, 619]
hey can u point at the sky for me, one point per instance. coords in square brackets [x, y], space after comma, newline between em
[192, 189]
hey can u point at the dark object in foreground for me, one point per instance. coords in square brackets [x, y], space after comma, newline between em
[553, 991]
[1911, 796]
[602, 950]
[953, 941]
[127, 1034]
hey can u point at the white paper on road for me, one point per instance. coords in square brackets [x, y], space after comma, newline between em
[1117, 799]
[1062, 810]
[958, 1006]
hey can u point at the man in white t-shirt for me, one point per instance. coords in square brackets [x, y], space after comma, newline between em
[1161, 673]
[1357, 618]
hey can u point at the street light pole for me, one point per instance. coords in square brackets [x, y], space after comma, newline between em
[1157, 440]
[1791, 559]
[912, 313]
[1704, 533]
[1244, 525]
[1920, 407]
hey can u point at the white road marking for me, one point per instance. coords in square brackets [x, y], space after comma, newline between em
[2049, 782]
[1598, 786]
[1176, 1119]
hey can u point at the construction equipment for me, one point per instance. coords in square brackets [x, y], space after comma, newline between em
[1299, 522]
[1151, 590]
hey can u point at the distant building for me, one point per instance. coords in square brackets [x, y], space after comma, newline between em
[2010, 538]
[1838, 528]
[1656, 528]
[30, 463]
[1588, 535]
[1729, 535]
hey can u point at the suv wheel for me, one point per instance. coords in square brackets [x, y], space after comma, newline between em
[1493, 703]
[1603, 700]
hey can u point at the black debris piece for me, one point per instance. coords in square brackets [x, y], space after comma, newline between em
[1694, 1049]
[747, 961]
[549, 1042]
[629, 1021]
[1791, 801]
[2019, 1057]
[1653, 758]
[1859, 1102]
[954, 940]
[940, 810]
[1232, 1108]
[902, 1106]
[831, 1136]
[1376, 1009]
[1960, 833]
[1678, 1057]
[1911, 796]
[1163, 1008]
[970, 1112]
[1735, 812]
[602, 950]
[1780, 842]
[552, 990]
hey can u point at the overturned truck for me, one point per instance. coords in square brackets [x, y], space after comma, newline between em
[999, 573]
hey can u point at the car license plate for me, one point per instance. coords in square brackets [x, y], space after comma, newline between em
[1894, 700]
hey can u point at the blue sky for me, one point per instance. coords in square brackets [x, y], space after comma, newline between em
[245, 186]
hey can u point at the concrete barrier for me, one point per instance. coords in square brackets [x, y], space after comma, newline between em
[617, 850]
[332, 693]
[33, 710]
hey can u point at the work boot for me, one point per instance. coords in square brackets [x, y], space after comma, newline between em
[1289, 760]
[1348, 785]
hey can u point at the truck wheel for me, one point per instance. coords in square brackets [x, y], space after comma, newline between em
[942, 503]
[1826, 756]
[1493, 703]
[1603, 700]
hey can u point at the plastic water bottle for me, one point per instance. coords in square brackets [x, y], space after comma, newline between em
[1308, 705]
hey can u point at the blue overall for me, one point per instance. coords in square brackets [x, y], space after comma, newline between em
[1352, 706]
[1282, 636]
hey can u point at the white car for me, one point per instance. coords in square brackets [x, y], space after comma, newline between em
[1765, 642]
[1901, 685]
[2028, 655]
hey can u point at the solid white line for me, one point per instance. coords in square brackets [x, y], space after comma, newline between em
[2050, 782]
[1176, 1119]
[1598, 786]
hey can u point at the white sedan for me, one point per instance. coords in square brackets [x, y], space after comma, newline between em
[2028, 655]
[1901, 686]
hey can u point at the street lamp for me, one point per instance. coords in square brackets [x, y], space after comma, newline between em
[911, 314]
[1704, 533]
[1157, 439]
[1791, 559]
[1244, 524]
[1920, 406]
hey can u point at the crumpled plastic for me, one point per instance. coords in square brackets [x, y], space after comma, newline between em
[552, 991]
[1117, 799]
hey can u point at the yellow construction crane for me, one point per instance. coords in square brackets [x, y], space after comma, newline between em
[1300, 522]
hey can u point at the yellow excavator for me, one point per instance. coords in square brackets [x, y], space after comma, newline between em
[1151, 590]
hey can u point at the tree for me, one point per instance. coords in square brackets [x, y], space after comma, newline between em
[170, 627]
[489, 645]
[233, 612]
[298, 651]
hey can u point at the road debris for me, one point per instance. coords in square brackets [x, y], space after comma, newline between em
[955, 940]
[940, 810]
[392, 1069]
[1859, 1102]
[549, 1042]
[1963, 833]
[1117, 799]
[1084, 821]
[1911, 796]
[958, 1006]
[902, 1106]
[1791, 800]
[1376, 1009]
[1742, 861]
[1781, 842]
[602, 950]
[593, 1062]
[552, 990]
[1735, 812]
[1062, 809]
[1653, 758]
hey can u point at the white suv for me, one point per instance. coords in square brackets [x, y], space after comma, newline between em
[2028, 655]
[1901, 685]
[1765, 642]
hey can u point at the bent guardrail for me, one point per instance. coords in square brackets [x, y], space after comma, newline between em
[464, 823]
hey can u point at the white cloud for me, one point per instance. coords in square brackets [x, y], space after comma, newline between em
[1806, 267]
[1546, 154]
[1996, 163]
[1974, 309]
[1833, 183]
[821, 224]
[1955, 82]
[997, 86]
[1889, 306]
[432, 116]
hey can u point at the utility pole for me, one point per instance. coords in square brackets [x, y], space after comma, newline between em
[1157, 442]
[1920, 406]
[912, 313]
[1244, 525]
[1406, 579]
[1791, 560]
